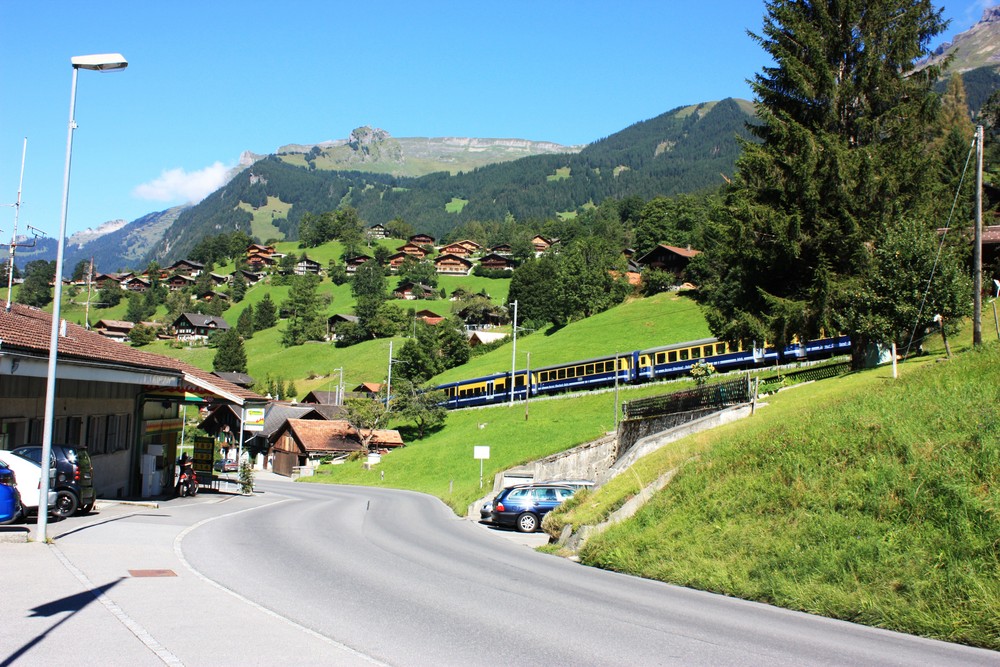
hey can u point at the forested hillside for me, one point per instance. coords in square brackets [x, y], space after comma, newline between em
[684, 150]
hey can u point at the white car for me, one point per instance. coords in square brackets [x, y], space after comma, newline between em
[29, 482]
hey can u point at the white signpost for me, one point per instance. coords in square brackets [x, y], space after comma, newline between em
[480, 452]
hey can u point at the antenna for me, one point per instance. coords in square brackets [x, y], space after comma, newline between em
[13, 237]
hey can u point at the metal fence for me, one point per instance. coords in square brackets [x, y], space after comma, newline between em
[773, 382]
[717, 395]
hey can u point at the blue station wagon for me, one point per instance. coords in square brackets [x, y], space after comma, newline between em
[524, 507]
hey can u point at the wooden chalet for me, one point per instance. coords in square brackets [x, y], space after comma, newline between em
[105, 280]
[351, 264]
[136, 284]
[186, 267]
[179, 281]
[114, 329]
[497, 262]
[502, 249]
[334, 321]
[306, 442]
[410, 290]
[251, 277]
[412, 249]
[429, 316]
[395, 261]
[367, 389]
[668, 258]
[209, 296]
[377, 231]
[459, 249]
[195, 326]
[453, 265]
[421, 239]
[542, 243]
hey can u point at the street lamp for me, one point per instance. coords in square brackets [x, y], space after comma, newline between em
[102, 62]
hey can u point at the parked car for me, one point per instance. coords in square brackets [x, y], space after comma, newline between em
[524, 507]
[74, 476]
[226, 465]
[28, 478]
[10, 499]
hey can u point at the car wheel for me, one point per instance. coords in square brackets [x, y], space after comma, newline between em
[527, 523]
[87, 509]
[66, 504]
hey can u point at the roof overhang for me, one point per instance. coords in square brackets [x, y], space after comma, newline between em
[32, 365]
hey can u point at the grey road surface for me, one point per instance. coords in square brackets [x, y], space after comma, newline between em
[398, 579]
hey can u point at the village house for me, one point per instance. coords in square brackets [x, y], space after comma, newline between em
[421, 239]
[378, 231]
[396, 260]
[114, 329]
[458, 249]
[307, 442]
[195, 326]
[668, 258]
[351, 264]
[136, 284]
[502, 249]
[542, 243]
[412, 249]
[335, 321]
[179, 281]
[497, 262]
[453, 265]
[429, 317]
[410, 290]
[186, 267]
[306, 265]
[118, 401]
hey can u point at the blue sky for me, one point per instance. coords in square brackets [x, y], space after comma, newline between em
[207, 80]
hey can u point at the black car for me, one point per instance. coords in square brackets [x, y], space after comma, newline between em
[524, 507]
[74, 477]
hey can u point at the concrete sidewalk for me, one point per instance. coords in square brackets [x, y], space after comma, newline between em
[113, 588]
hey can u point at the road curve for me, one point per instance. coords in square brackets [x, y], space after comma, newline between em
[398, 578]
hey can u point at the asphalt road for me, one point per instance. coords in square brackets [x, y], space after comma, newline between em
[395, 578]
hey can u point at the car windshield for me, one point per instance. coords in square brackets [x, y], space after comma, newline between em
[30, 453]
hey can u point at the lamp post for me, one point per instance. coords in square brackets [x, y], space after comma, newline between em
[102, 62]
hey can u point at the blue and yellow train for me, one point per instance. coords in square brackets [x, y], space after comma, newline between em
[655, 363]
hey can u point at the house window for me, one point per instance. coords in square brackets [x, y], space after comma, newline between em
[96, 434]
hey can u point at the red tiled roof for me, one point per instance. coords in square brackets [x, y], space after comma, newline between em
[29, 329]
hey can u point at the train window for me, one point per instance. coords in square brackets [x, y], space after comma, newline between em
[706, 351]
[519, 381]
[672, 357]
[571, 372]
[720, 348]
[684, 354]
[590, 369]
[562, 374]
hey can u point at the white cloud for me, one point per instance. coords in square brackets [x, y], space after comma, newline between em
[177, 184]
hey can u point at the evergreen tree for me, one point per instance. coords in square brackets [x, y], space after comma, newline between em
[265, 315]
[423, 408]
[842, 158]
[141, 335]
[369, 289]
[137, 310]
[245, 322]
[305, 322]
[238, 287]
[230, 355]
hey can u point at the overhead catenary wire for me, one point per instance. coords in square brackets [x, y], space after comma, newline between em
[937, 256]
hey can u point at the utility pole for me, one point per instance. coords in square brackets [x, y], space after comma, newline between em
[977, 249]
[513, 355]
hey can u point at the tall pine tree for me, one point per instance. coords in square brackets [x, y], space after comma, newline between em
[842, 159]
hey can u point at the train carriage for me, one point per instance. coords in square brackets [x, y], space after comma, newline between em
[632, 367]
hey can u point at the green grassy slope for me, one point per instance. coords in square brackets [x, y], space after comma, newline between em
[859, 498]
